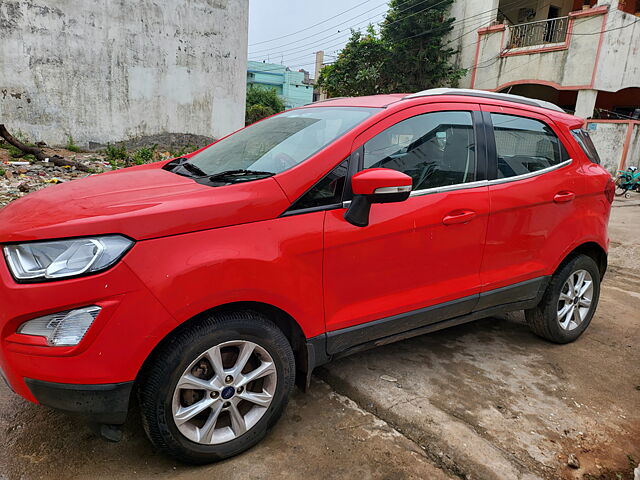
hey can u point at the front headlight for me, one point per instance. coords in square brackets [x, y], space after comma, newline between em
[40, 261]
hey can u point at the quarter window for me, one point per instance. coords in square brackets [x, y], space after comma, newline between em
[585, 142]
[525, 145]
[327, 191]
[434, 149]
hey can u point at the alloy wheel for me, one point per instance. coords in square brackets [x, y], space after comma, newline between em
[575, 299]
[224, 392]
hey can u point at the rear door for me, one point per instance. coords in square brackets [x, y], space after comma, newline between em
[424, 252]
[533, 184]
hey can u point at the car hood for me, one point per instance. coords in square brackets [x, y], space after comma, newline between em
[140, 202]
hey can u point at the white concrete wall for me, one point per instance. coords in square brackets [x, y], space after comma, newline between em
[469, 17]
[609, 139]
[633, 157]
[108, 70]
[619, 65]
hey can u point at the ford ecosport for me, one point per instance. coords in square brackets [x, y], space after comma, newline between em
[208, 285]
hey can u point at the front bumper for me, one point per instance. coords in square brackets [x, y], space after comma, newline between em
[81, 378]
[106, 403]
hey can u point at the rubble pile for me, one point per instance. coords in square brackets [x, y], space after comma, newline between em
[19, 177]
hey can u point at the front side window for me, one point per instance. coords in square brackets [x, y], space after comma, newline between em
[525, 145]
[275, 144]
[435, 149]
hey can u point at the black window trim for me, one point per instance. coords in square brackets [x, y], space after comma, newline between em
[592, 156]
[346, 192]
[492, 150]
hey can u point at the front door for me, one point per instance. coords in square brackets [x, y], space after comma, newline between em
[418, 261]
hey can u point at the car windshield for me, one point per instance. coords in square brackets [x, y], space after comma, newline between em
[275, 144]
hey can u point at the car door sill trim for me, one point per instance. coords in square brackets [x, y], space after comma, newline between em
[518, 296]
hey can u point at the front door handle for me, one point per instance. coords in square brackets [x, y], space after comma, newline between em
[459, 216]
[563, 197]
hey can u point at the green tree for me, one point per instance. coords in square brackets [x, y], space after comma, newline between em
[415, 33]
[261, 102]
[358, 69]
[409, 54]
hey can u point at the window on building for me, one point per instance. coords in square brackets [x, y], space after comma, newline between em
[525, 145]
[435, 149]
[579, 4]
[629, 6]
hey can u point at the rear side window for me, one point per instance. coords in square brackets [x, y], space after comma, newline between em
[525, 145]
[585, 142]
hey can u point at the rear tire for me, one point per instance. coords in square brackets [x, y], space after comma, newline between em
[569, 302]
[620, 190]
[206, 368]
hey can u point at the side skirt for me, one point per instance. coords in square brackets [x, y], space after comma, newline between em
[339, 343]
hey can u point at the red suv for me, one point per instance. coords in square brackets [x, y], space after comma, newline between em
[209, 284]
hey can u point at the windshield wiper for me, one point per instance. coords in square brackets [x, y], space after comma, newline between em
[190, 167]
[240, 173]
[181, 166]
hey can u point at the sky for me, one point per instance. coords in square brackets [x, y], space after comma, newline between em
[291, 31]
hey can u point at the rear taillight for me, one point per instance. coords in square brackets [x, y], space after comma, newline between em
[609, 190]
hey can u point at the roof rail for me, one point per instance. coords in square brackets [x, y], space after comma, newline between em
[507, 97]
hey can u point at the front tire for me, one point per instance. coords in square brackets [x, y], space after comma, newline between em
[216, 388]
[569, 303]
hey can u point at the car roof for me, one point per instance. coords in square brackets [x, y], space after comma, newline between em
[452, 94]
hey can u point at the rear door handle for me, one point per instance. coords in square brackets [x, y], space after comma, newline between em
[459, 216]
[563, 197]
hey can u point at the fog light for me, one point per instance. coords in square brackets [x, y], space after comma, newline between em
[62, 328]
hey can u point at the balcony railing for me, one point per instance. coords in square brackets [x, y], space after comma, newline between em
[541, 32]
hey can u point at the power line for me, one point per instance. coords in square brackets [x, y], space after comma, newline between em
[339, 14]
[609, 30]
[315, 42]
[466, 19]
[312, 26]
[340, 34]
[322, 31]
[427, 31]
[422, 33]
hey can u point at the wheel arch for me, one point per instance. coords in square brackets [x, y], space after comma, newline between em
[591, 249]
[283, 320]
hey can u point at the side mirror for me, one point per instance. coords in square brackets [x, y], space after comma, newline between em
[375, 185]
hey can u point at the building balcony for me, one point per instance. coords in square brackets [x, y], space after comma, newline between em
[561, 51]
[542, 32]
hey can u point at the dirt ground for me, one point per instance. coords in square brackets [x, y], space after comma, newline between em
[487, 400]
